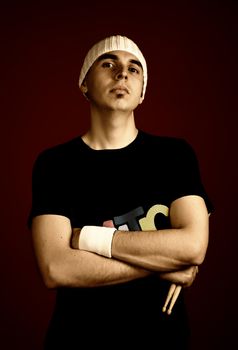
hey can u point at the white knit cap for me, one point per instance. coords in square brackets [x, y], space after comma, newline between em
[113, 43]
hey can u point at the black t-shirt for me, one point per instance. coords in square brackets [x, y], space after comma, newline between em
[134, 187]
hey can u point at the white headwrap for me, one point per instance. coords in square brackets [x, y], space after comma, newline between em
[113, 43]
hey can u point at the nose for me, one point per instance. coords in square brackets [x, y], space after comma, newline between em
[121, 74]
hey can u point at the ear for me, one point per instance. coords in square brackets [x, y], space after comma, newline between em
[84, 88]
[141, 100]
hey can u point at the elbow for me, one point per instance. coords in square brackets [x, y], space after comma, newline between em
[50, 283]
[198, 255]
[198, 259]
[49, 277]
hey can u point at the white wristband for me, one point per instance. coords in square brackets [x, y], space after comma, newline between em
[97, 239]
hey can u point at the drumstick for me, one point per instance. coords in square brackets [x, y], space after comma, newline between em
[171, 297]
[174, 298]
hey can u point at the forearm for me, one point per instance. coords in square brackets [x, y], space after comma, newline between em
[165, 250]
[62, 266]
[159, 251]
[86, 269]
[183, 245]
[173, 249]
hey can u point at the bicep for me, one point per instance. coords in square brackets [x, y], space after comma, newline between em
[190, 214]
[51, 236]
[188, 211]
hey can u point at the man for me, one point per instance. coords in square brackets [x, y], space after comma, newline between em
[118, 216]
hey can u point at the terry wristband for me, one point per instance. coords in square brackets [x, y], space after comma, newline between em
[97, 239]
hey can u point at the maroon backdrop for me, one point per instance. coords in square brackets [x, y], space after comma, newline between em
[191, 53]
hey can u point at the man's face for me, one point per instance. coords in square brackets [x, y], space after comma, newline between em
[115, 81]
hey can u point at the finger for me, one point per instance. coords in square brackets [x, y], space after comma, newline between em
[174, 298]
[169, 296]
[108, 223]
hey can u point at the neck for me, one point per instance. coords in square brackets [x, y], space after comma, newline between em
[111, 130]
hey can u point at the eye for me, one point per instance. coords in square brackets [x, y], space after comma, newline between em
[107, 65]
[133, 70]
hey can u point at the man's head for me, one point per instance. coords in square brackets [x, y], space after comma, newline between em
[109, 44]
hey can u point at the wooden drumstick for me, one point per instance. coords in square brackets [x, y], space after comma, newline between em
[174, 298]
[169, 296]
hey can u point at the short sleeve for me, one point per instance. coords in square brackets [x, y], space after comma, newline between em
[186, 178]
[48, 187]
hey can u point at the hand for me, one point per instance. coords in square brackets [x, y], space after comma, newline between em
[184, 277]
[174, 289]
[108, 223]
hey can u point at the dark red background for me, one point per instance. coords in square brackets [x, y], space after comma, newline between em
[191, 52]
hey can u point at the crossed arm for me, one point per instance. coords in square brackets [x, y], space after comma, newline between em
[172, 253]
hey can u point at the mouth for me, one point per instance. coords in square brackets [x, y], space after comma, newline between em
[122, 90]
